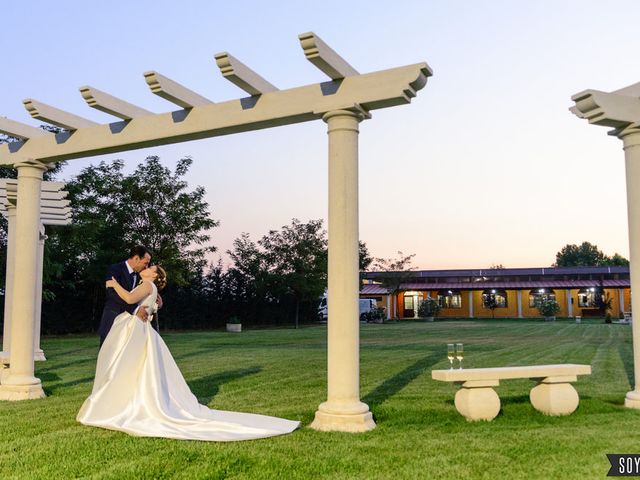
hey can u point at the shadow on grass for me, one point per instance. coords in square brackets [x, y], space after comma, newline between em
[626, 356]
[58, 366]
[206, 388]
[393, 385]
[52, 389]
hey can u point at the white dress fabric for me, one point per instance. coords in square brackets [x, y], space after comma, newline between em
[138, 389]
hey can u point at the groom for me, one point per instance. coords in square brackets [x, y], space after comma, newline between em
[127, 275]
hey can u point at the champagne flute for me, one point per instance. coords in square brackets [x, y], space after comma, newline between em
[451, 353]
[459, 353]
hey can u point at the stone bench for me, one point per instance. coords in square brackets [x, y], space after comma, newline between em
[477, 400]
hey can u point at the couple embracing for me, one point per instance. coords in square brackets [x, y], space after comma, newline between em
[138, 388]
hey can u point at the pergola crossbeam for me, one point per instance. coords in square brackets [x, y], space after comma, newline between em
[174, 92]
[239, 74]
[324, 57]
[369, 91]
[112, 105]
[55, 116]
[20, 130]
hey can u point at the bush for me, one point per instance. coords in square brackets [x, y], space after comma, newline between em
[375, 315]
[428, 308]
[547, 307]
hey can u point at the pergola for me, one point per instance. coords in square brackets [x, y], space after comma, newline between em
[54, 210]
[620, 110]
[342, 102]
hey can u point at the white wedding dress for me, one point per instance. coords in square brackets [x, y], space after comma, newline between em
[139, 390]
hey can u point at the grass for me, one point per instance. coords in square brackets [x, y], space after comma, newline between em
[282, 372]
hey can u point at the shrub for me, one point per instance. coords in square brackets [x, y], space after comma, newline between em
[375, 315]
[429, 308]
[547, 307]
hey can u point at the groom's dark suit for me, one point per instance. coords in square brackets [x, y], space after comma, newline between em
[114, 305]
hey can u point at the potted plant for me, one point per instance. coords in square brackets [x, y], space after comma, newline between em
[548, 308]
[234, 325]
[429, 309]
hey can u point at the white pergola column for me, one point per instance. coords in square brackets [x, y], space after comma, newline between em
[9, 276]
[621, 111]
[519, 300]
[38, 354]
[569, 303]
[20, 383]
[343, 411]
[632, 163]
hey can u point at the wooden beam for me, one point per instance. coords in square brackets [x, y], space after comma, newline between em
[324, 57]
[20, 130]
[239, 74]
[369, 91]
[174, 92]
[55, 116]
[109, 104]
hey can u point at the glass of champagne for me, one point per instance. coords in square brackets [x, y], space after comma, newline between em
[451, 353]
[460, 353]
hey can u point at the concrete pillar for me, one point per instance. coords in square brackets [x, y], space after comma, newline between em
[632, 162]
[621, 300]
[389, 307]
[8, 290]
[519, 299]
[20, 383]
[38, 354]
[343, 411]
[470, 303]
[569, 303]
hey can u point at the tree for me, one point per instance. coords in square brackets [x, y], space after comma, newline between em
[586, 255]
[394, 273]
[111, 212]
[296, 257]
[489, 301]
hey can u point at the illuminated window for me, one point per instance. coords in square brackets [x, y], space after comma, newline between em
[494, 297]
[540, 294]
[449, 299]
[587, 297]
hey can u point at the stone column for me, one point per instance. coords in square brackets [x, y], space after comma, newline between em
[38, 354]
[389, 307]
[470, 303]
[621, 300]
[519, 299]
[569, 303]
[631, 139]
[20, 383]
[343, 411]
[9, 276]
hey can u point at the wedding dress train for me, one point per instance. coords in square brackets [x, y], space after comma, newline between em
[139, 389]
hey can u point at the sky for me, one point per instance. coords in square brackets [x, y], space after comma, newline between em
[486, 166]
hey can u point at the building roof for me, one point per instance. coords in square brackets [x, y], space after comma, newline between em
[505, 272]
[376, 289]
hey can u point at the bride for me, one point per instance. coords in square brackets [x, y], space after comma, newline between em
[138, 388]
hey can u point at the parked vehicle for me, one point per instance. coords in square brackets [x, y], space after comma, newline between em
[366, 305]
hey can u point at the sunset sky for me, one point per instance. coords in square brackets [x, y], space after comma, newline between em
[485, 166]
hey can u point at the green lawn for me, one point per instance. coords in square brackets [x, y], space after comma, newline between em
[282, 372]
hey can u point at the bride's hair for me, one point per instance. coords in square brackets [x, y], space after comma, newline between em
[161, 279]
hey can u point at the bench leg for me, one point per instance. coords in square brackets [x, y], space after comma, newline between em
[554, 398]
[478, 403]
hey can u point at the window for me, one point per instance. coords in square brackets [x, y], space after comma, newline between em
[587, 297]
[494, 297]
[540, 294]
[449, 299]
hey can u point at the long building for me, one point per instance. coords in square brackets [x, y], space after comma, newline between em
[464, 293]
